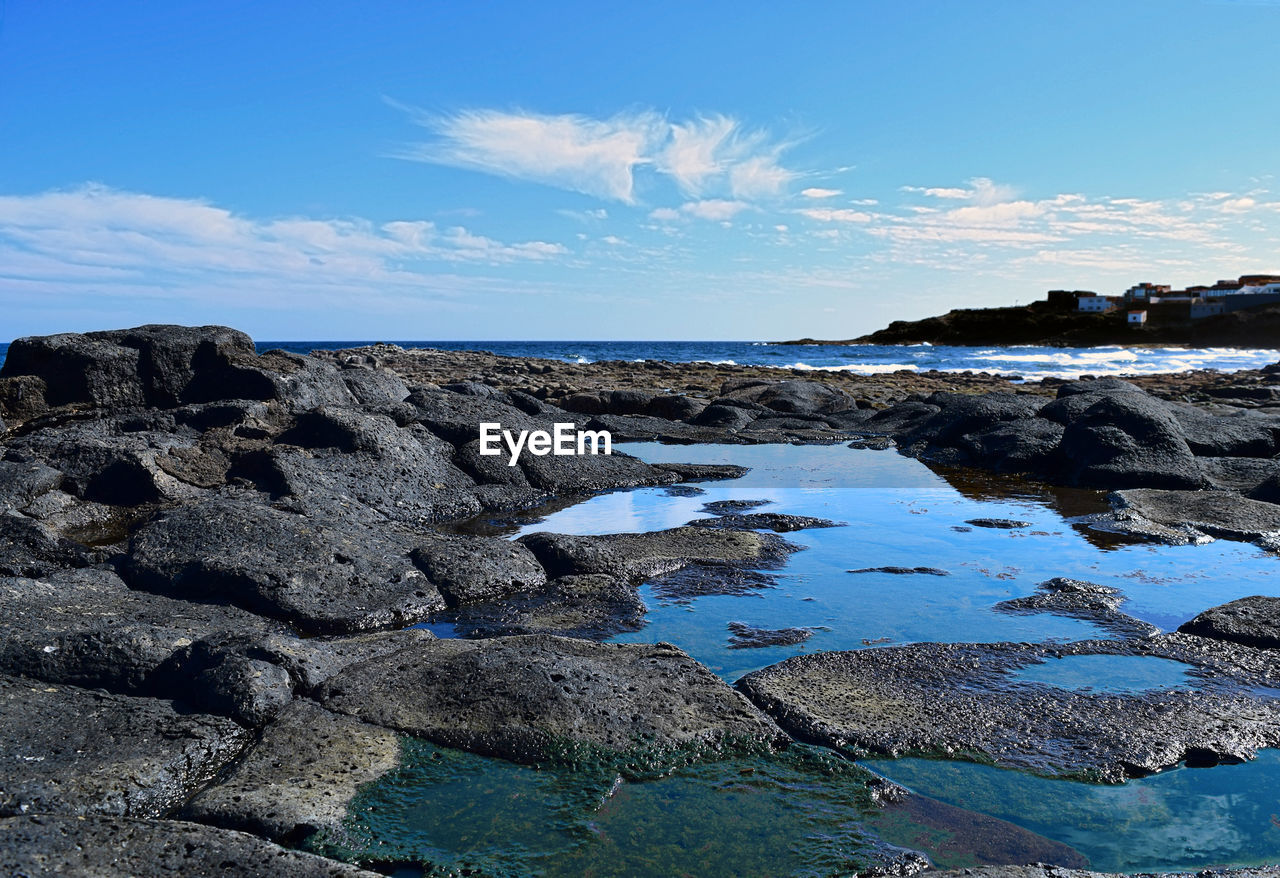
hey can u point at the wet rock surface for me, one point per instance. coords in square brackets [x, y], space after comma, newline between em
[959, 701]
[1076, 599]
[744, 636]
[536, 697]
[119, 847]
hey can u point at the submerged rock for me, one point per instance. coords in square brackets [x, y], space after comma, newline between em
[744, 636]
[903, 571]
[74, 751]
[1076, 599]
[999, 523]
[534, 698]
[120, 847]
[959, 701]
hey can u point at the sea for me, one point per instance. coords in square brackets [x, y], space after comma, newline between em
[1029, 362]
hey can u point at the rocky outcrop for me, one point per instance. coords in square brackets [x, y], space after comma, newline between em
[117, 847]
[1252, 621]
[300, 777]
[538, 698]
[73, 751]
[325, 577]
[963, 701]
[87, 628]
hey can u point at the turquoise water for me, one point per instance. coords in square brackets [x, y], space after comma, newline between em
[802, 812]
[1125, 674]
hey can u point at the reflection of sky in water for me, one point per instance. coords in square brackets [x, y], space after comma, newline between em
[1188, 818]
[1108, 673]
[900, 513]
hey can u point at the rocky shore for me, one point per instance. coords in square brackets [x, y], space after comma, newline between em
[211, 560]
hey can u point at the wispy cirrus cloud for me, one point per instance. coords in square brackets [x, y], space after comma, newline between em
[705, 155]
[819, 192]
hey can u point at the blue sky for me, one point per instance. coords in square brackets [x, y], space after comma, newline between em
[586, 170]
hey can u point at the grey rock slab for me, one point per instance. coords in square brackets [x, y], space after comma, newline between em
[87, 628]
[649, 554]
[299, 777]
[960, 701]
[67, 750]
[1218, 513]
[345, 462]
[540, 697]
[593, 606]
[251, 677]
[123, 847]
[795, 397]
[1235, 434]
[20, 483]
[476, 569]
[775, 521]
[589, 473]
[324, 576]
[704, 472]
[1245, 475]
[1252, 621]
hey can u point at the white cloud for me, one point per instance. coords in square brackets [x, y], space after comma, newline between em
[601, 157]
[836, 215]
[94, 234]
[593, 156]
[818, 192]
[715, 209]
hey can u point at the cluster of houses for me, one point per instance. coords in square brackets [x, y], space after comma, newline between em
[1157, 303]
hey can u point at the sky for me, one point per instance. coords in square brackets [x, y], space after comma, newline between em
[656, 170]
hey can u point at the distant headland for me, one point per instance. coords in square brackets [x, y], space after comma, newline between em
[1229, 313]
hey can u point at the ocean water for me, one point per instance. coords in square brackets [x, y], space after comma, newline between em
[800, 818]
[1029, 362]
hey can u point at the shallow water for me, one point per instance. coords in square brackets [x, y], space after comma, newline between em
[1184, 819]
[901, 513]
[805, 812]
[802, 812]
[1126, 674]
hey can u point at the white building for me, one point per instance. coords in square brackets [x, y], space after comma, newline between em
[1137, 318]
[1094, 304]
